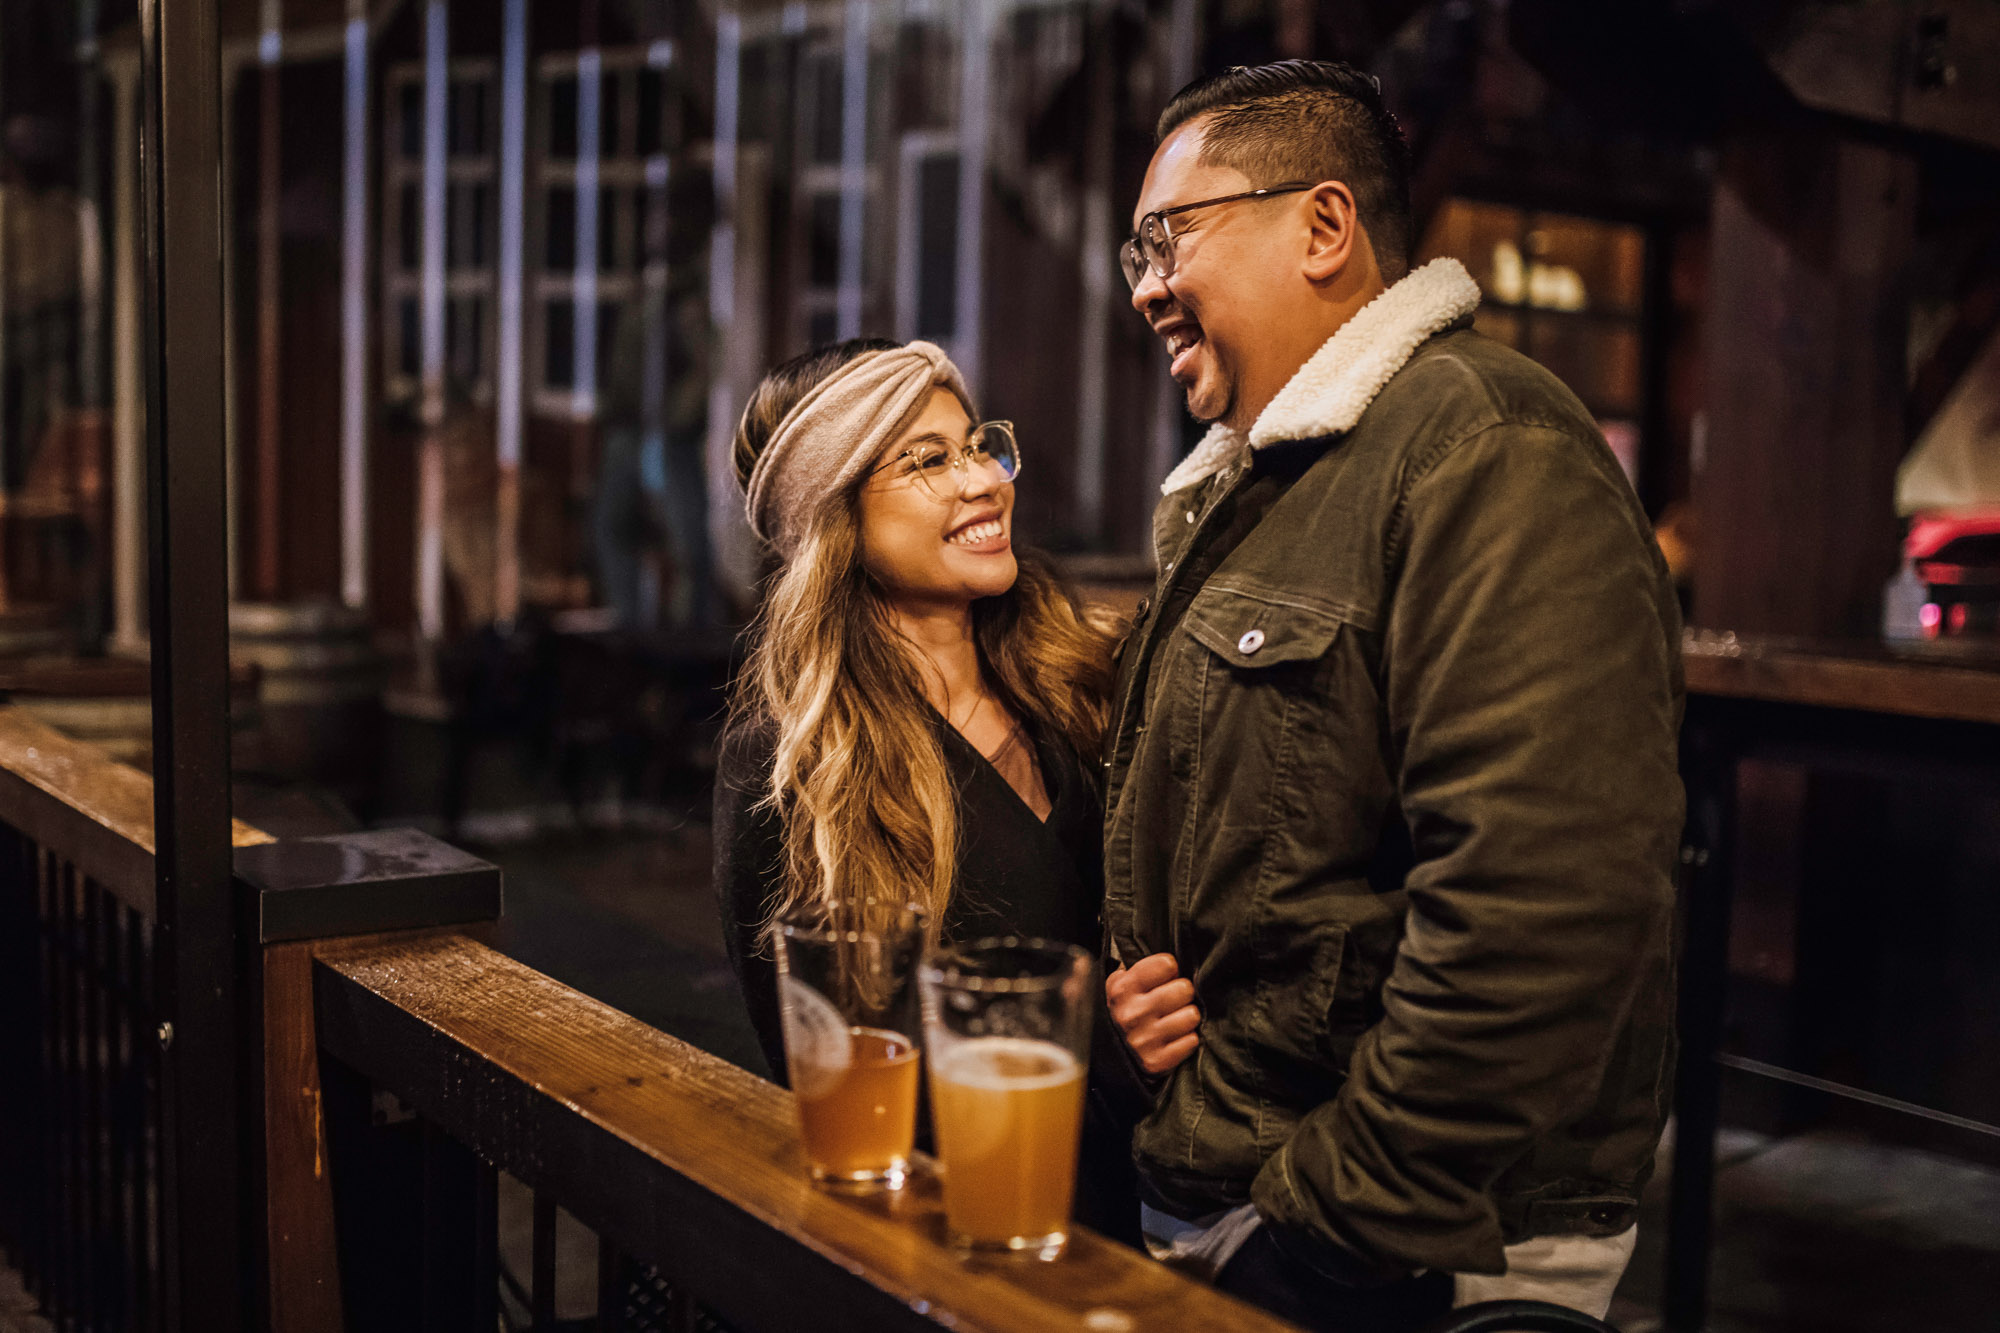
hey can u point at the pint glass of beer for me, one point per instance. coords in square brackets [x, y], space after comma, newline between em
[847, 1003]
[1007, 1028]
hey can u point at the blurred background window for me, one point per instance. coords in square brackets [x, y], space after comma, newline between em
[1569, 292]
[470, 224]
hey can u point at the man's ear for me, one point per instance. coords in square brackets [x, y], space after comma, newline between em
[1334, 235]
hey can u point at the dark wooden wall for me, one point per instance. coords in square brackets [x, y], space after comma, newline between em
[1806, 330]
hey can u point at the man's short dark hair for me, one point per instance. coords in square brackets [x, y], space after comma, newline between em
[1308, 120]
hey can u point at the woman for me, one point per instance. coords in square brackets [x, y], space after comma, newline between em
[916, 718]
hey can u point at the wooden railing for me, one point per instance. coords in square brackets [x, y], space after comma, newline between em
[688, 1168]
[403, 1068]
[80, 1043]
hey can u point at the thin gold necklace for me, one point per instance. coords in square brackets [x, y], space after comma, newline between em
[977, 704]
[1014, 736]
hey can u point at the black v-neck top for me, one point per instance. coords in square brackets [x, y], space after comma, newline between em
[1017, 875]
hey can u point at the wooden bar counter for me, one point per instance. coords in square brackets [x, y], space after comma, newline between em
[1932, 679]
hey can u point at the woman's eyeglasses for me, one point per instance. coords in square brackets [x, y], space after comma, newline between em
[942, 470]
[1153, 244]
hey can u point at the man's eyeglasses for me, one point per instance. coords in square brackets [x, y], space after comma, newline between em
[942, 470]
[1153, 244]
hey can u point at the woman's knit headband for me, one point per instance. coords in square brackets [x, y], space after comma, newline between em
[836, 432]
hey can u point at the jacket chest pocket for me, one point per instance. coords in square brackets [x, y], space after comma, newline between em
[1252, 677]
[1257, 665]
[1255, 635]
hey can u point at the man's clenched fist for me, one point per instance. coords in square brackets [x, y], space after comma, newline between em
[1153, 1005]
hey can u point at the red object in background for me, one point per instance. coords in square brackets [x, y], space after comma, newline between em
[1957, 555]
[1934, 530]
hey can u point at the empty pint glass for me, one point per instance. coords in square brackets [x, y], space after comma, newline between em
[1007, 1028]
[848, 1006]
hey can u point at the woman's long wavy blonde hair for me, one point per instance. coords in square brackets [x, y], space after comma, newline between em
[860, 783]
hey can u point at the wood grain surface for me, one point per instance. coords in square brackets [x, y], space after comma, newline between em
[89, 809]
[303, 1277]
[578, 1099]
[1856, 677]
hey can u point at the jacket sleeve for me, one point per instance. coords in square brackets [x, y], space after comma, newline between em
[1531, 677]
[749, 860]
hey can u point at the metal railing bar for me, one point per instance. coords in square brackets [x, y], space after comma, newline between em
[18, 945]
[92, 1090]
[34, 1241]
[75, 1163]
[127, 1120]
[146, 1143]
[63, 1197]
[111, 1258]
[76, 986]
[1746, 1065]
[46, 1232]
[124, 1126]
[205, 1281]
[32, 1235]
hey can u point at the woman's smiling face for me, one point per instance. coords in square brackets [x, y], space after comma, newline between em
[928, 551]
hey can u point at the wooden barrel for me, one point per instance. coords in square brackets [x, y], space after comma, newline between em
[320, 692]
[107, 701]
[32, 630]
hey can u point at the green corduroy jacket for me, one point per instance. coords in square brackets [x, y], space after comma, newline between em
[1393, 776]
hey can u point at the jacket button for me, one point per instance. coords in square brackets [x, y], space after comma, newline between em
[1189, 516]
[1251, 641]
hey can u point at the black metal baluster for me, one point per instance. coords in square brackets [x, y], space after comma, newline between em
[1709, 771]
[146, 1156]
[40, 1243]
[110, 1263]
[12, 1072]
[610, 1292]
[123, 1123]
[17, 1058]
[74, 986]
[79, 1098]
[68, 1278]
[459, 1290]
[90, 1087]
[41, 1253]
[104, 982]
[20, 974]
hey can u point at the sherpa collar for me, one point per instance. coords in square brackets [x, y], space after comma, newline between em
[1335, 385]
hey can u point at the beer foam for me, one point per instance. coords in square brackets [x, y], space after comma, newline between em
[1009, 1064]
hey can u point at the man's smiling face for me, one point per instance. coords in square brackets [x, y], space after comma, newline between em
[1226, 259]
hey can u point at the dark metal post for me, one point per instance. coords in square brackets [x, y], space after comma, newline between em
[1708, 766]
[203, 1269]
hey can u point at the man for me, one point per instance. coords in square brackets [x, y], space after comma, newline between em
[1392, 785]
